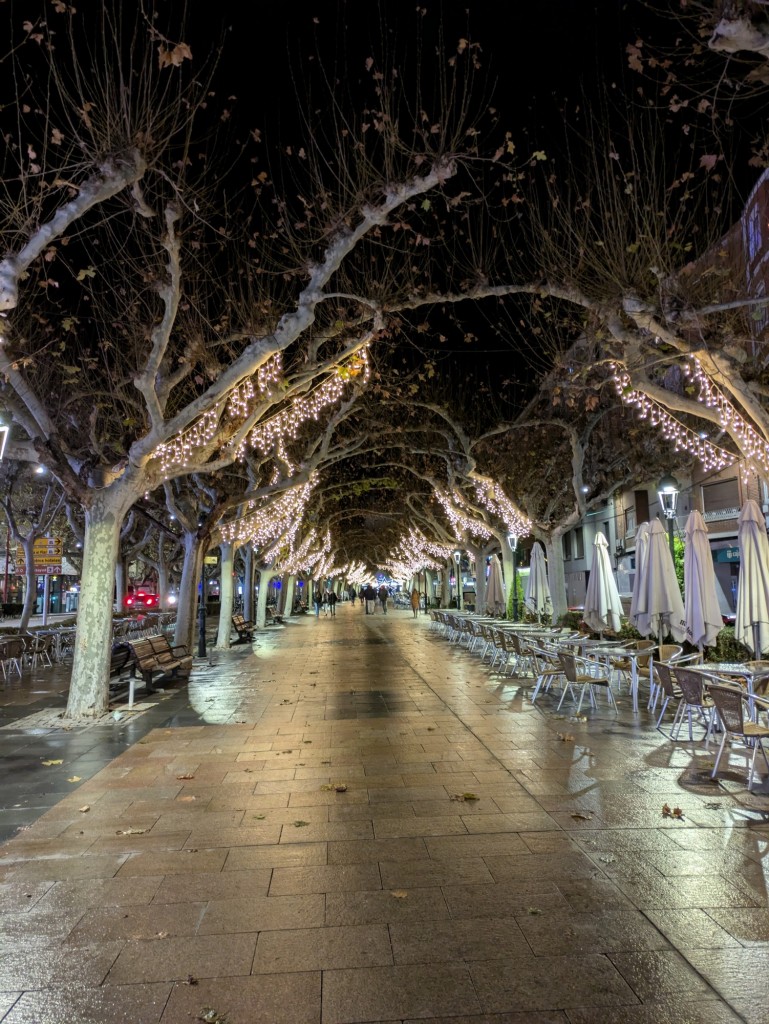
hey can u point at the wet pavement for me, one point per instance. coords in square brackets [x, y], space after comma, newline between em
[357, 822]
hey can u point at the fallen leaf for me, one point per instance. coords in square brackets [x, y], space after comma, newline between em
[191, 980]
[534, 911]
[713, 805]
[130, 831]
[259, 817]
[608, 859]
[306, 741]
[399, 894]
[180, 777]
[582, 817]
[465, 796]
[666, 812]
[678, 813]
[340, 787]
[300, 824]
[47, 764]
[210, 1016]
[84, 809]
[161, 935]
[186, 799]
[74, 778]
[565, 737]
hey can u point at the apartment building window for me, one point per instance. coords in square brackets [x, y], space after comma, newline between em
[754, 232]
[567, 547]
[630, 523]
[579, 543]
[721, 500]
[760, 314]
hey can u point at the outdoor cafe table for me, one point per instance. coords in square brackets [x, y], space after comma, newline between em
[748, 673]
[631, 654]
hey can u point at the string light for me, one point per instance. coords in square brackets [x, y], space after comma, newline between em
[277, 518]
[460, 522]
[491, 495]
[271, 433]
[683, 438]
[752, 445]
[415, 553]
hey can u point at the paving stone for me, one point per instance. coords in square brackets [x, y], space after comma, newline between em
[560, 896]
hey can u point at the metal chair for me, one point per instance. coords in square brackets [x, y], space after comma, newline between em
[730, 702]
[668, 688]
[694, 700]
[574, 677]
[39, 650]
[11, 655]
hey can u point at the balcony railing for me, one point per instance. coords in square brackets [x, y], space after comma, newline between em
[717, 515]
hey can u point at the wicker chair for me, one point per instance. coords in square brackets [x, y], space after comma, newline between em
[669, 690]
[574, 678]
[730, 702]
[694, 701]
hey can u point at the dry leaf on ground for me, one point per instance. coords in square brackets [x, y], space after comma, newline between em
[74, 778]
[399, 894]
[181, 777]
[84, 809]
[48, 764]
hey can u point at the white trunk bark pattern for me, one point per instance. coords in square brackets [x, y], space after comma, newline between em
[288, 604]
[226, 597]
[89, 687]
[556, 575]
[188, 591]
[261, 605]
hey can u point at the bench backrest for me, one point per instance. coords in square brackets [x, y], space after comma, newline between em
[160, 644]
[143, 649]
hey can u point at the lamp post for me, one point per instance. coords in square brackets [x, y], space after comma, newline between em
[668, 490]
[458, 576]
[512, 540]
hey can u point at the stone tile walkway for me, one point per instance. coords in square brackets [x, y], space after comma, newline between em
[365, 825]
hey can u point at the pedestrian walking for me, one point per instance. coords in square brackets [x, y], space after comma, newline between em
[415, 602]
[332, 603]
[317, 600]
[383, 595]
[370, 595]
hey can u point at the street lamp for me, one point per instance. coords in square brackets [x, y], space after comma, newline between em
[512, 540]
[457, 560]
[668, 490]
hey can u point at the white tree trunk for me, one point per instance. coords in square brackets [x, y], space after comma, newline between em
[248, 583]
[261, 605]
[288, 604]
[445, 587]
[226, 597]
[163, 583]
[30, 588]
[507, 573]
[480, 580]
[89, 686]
[188, 591]
[556, 574]
[120, 585]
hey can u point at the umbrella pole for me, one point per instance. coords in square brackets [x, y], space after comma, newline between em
[757, 641]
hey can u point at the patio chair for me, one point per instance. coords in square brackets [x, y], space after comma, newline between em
[669, 690]
[547, 668]
[694, 701]
[11, 655]
[570, 664]
[730, 702]
[39, 650]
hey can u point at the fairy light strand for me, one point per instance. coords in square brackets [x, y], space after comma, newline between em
[683, 438]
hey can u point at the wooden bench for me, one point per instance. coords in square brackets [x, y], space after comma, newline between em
[272, 614]
[155, 655]
[243, 627]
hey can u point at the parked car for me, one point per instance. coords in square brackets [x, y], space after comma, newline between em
[141, 599]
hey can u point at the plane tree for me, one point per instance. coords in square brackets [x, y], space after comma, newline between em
[163, 311]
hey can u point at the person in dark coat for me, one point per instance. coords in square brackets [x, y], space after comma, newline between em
[331, 600]
[383, 594]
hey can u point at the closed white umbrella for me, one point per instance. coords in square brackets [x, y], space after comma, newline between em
[659, 608]
[603, 608]
[702, 612]
[495, 591]
[537, 597]
[752, 623]
[641, 556]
